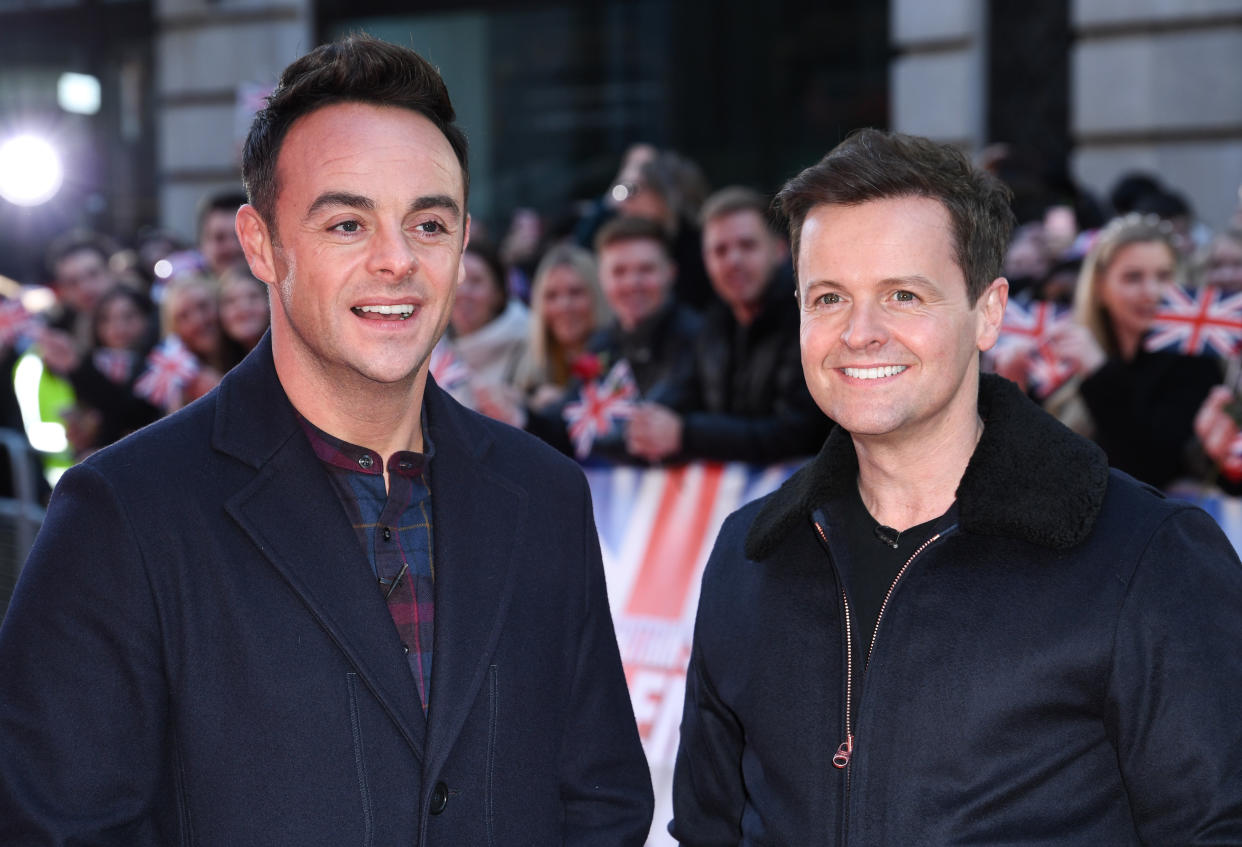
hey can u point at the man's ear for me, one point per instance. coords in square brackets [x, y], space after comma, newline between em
[256, 242]
[991, 313]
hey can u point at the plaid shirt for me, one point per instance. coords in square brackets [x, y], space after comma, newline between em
[394, 528]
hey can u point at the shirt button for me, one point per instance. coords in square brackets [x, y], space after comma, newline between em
[387, 534]
[365, 461]
[405, 648]
[405, 466]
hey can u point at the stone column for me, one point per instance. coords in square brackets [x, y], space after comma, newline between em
[210, 56]
[1157, 86]
[938, 79]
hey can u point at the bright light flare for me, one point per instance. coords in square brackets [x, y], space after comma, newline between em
[78, 93]
[30, 170]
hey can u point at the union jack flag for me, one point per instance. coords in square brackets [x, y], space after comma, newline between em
[114, 364]
[449, 372]
[600, 406]
[1032, 323]
[1046, 373]
[1193, 323]
[15, 322]
[170, 366]
[1029, 328]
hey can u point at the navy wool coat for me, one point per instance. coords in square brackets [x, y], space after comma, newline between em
[197, 651]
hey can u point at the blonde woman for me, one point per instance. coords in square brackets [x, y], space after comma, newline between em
[1137, 404]
[567, 306]
[189, 311]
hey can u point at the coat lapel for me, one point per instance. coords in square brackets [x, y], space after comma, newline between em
[293, 515]
[479, 519]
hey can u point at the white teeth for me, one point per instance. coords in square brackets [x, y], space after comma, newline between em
[874, 373]
[404, 310]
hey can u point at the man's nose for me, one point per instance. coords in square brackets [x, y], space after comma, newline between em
[392, 253]
[865, 326]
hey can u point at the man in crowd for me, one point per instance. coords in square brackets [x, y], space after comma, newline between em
[217, 235]
[652, 333]
[80, 275]
[956, 624]
[314, 608]
[746, 400]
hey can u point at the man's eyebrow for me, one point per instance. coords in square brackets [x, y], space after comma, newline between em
[348, 200]
[436, 201]
[914, 280]
[340, 198]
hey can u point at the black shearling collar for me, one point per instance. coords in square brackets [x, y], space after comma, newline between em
[1029, 478]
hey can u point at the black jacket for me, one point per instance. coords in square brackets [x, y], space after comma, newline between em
[1060, 665]
[1144, 410]
[747, 400]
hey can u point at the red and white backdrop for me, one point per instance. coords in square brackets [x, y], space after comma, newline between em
[656, 529]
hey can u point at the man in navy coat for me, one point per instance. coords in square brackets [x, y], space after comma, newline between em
[325, 605]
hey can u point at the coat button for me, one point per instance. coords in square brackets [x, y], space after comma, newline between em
[439, 798]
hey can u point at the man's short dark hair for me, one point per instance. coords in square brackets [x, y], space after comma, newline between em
[874, 165]
[356, 69]
[631, 228]
[218, 201]
[77, 241]
[733, 199]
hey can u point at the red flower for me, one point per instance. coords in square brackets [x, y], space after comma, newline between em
[586, 367]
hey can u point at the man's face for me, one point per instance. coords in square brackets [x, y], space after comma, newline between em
[81, 279]
[371, 222]
[218, 241]
[740, 254]
[889, 341]
[636, 276]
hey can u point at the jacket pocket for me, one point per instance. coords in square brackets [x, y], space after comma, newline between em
[360, 762]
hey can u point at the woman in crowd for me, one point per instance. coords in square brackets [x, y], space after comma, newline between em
[244, 311]
[189, 312]
[567, 306]
[123, 331]
[487, 330]
[1138, 404]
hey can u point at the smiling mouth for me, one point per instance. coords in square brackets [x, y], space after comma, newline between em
[400, 312]
[874, 373]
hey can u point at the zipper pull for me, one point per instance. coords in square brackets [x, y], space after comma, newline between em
[842, 758]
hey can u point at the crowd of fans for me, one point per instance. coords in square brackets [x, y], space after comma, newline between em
[658, 324]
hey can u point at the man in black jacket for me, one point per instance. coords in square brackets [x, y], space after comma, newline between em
[956, 625]
[745, 399]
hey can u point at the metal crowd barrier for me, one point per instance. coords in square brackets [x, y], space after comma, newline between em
[20, 512]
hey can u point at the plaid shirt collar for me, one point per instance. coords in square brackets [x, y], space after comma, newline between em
[341, 454]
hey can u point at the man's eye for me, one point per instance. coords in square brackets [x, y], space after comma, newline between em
[431, 227]
[828, 299]
[904, 297]
[347, 226]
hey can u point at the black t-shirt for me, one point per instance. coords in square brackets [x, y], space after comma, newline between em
[871, 561]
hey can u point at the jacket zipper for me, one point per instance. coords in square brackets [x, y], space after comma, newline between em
[846, 750]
